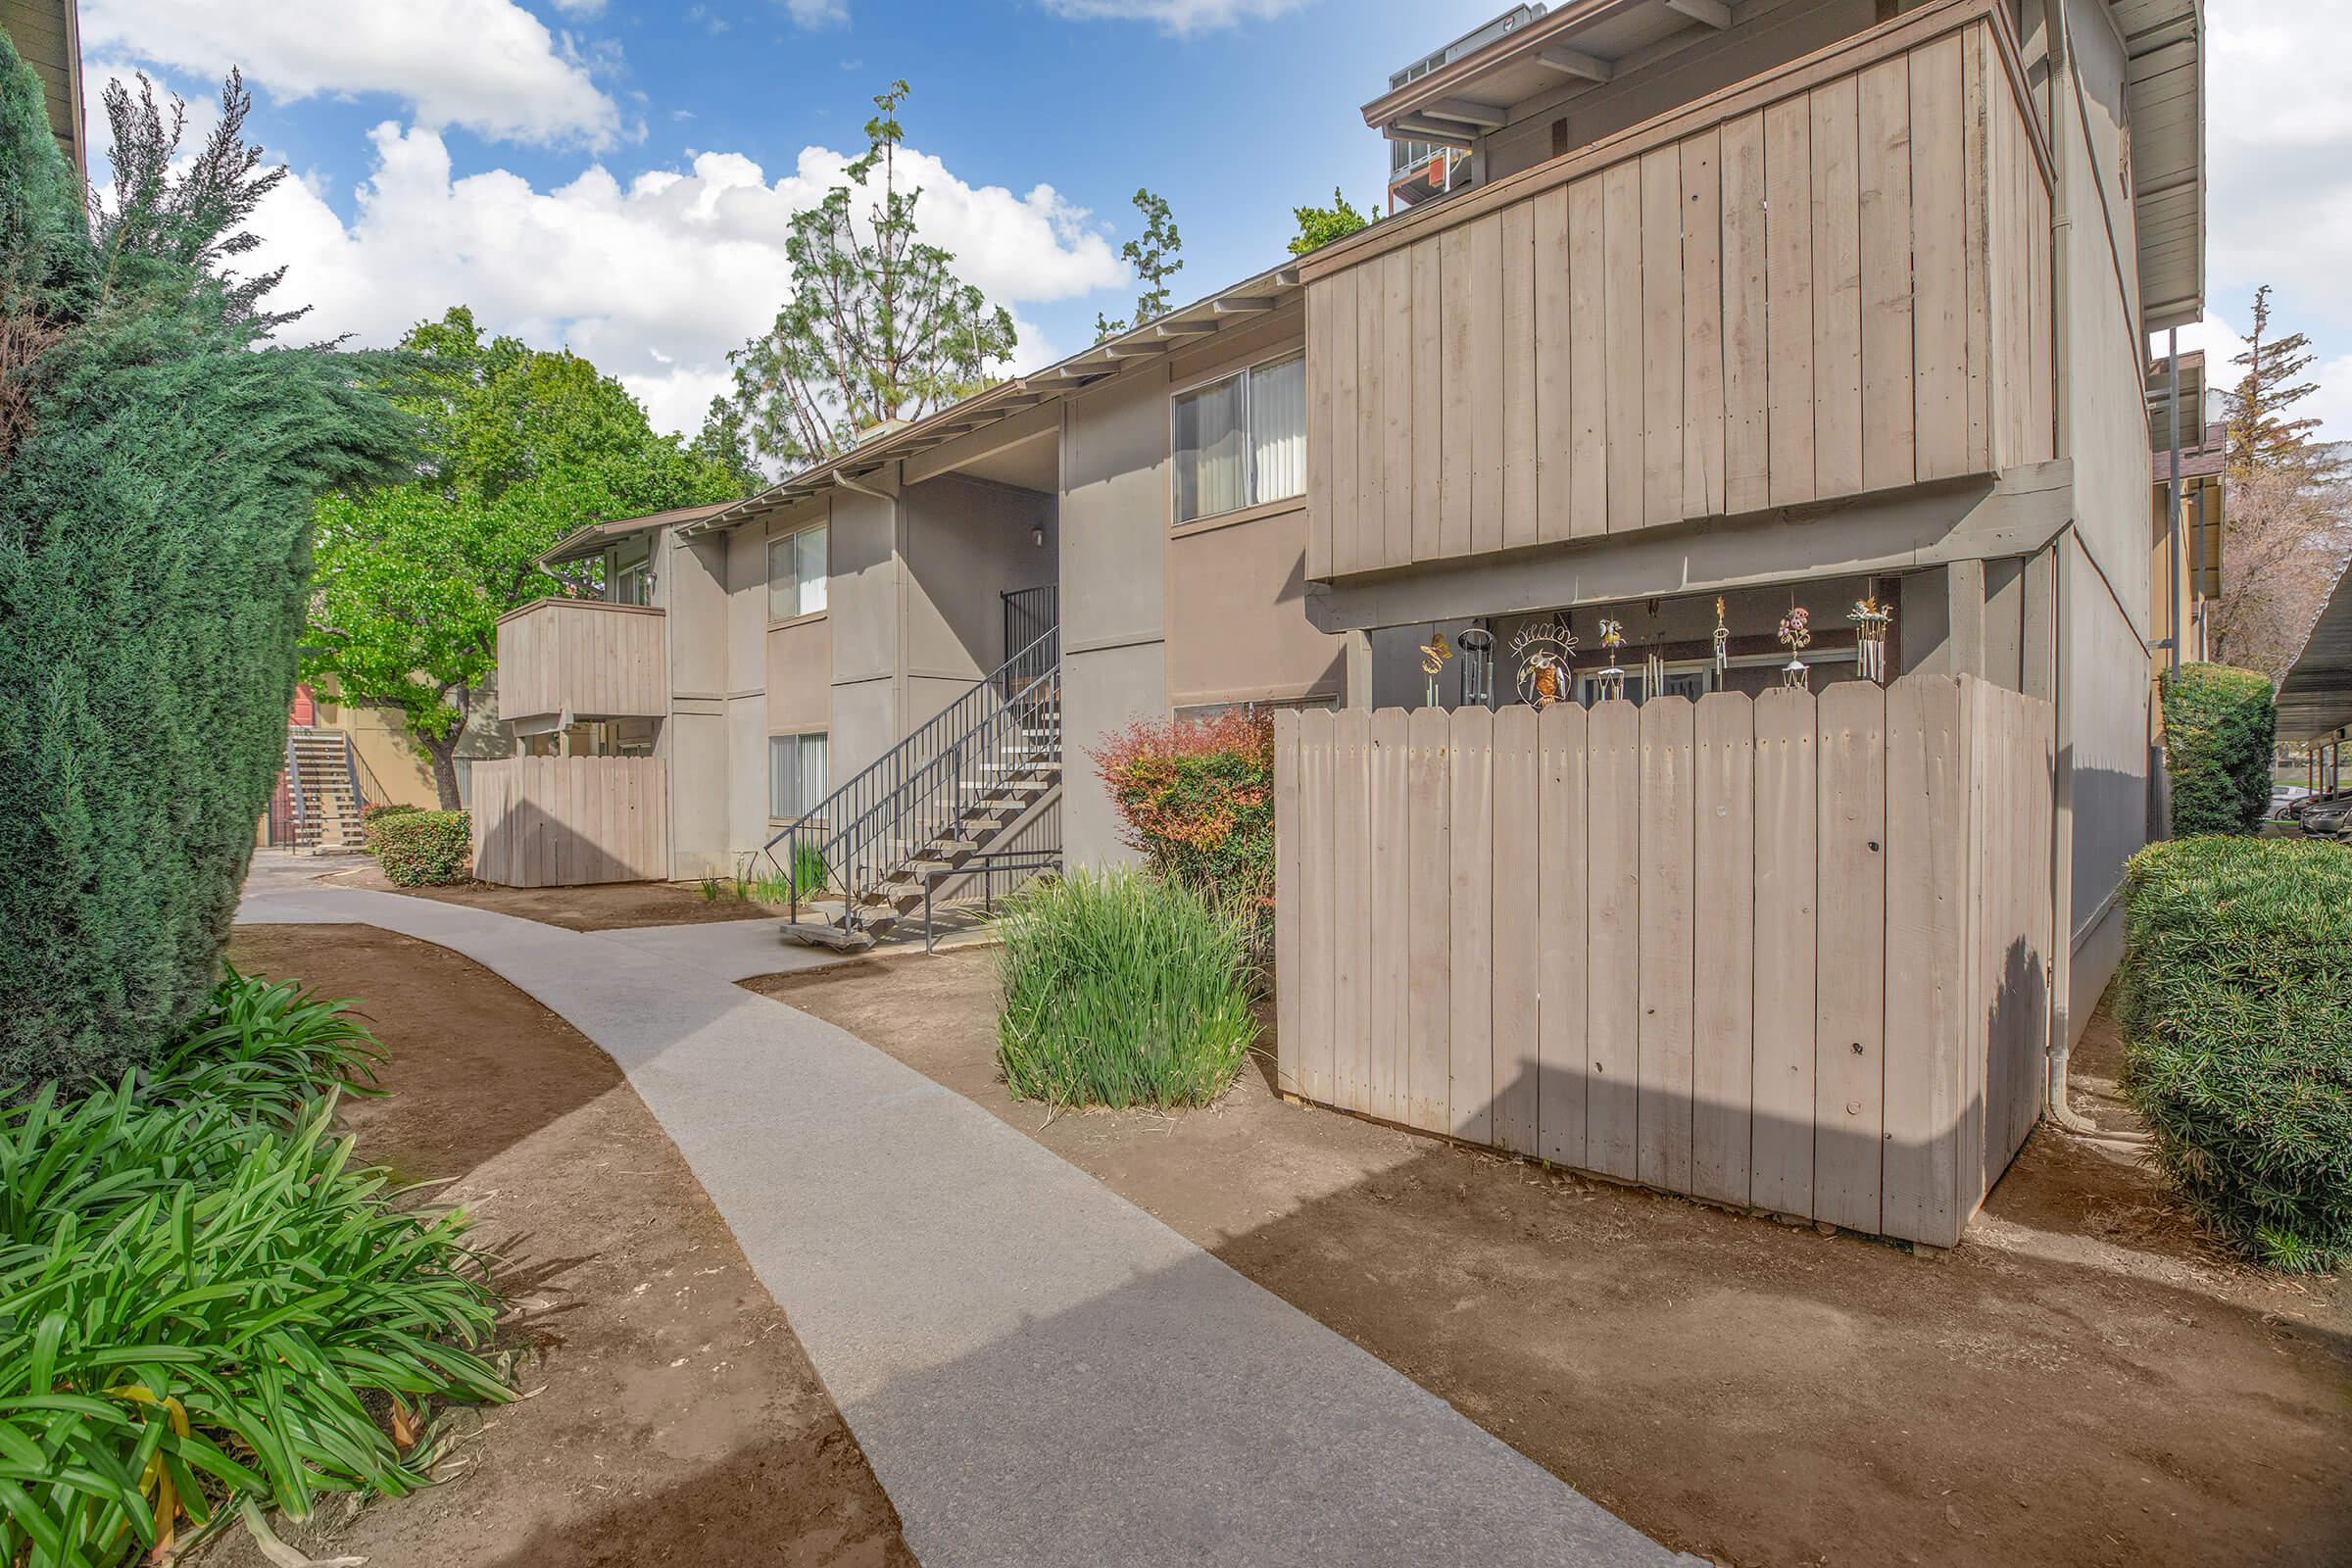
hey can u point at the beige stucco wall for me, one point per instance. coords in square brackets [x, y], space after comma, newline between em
[800, 676]
[1236, 621]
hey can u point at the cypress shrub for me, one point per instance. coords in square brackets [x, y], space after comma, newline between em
[158, 467]
[2219, 726]
[424, 849]
[2238, 1020]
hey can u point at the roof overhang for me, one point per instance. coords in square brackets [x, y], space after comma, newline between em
[1583, 44]
[592, 539]
[2316, 697]
[2164, 47]
[1245, 302]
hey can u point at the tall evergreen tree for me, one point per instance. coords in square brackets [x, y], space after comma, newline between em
[1155, 253]
[2262, 429]
[157, 471]
[878, 327]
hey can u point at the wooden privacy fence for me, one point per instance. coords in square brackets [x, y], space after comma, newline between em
[560, 821]
[1787, 952]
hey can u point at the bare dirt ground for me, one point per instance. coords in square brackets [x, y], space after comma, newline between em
[2083, 1381]
[603, 906]
[674, 1417]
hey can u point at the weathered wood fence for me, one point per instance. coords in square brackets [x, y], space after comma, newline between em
[1788, 951]
[560, 821]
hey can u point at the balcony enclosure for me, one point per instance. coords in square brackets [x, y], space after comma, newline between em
[565, 661]
[1830, 279]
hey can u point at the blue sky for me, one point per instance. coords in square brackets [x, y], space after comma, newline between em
[616, 175]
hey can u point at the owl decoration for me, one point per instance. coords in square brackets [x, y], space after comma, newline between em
[1544, 651]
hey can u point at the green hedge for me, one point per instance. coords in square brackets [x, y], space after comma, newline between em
[369, 816]
[426, 849]
[158, 470]
[2219, 726]
[1122, 988]
[2238, 1020]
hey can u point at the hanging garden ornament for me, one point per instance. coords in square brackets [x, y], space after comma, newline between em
[1871, 620]
[1478, 667]
[1653, 673]
[1723, 640]
[1797, 635]
[1543, 650]
[1433, 655]
[1611, 679]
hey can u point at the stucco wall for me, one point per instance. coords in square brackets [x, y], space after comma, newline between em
[1237, 616]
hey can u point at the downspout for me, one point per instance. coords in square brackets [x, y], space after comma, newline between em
[2062, 816]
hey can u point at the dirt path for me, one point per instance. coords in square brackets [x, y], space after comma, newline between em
[2080, 1381]
[677, 1419]
[603, 906]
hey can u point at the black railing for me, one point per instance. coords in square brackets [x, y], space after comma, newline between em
[950, 782]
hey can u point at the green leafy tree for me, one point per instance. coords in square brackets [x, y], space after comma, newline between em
[878, 327]
[1318, 227]
[725, 439]
[1156, 257]
[158, 465]
[522, 446]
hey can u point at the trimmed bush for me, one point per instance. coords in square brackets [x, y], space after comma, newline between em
[1197, 796]
[204, 1305]
[2219, 726]
[158, 470]
[426, 849]
[1122, 988]
[369, 816]
[2238, 1020]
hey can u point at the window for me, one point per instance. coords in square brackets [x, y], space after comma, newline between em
[633, 584]
[1242, 440]
[796, 573]
[796, 775]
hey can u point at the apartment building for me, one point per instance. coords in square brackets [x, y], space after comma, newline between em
[1743, 307]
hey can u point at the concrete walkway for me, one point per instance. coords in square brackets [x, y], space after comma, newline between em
[1039, 1372]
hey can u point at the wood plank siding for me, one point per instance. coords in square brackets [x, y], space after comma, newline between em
[1831, 280]
[1785, 951]
[596, 659]
[564, 821]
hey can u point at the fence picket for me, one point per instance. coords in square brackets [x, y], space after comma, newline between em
[1723, 990]
[1517, 931]
[1664, 1072]
[1562, 811]
[1850, 1010]
[1471, 1092]
[1351, 909]
[1613, 889]
[1391, 913]
[1429, 893]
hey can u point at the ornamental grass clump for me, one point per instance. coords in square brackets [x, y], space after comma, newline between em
[1122, 988]
[2237, 1008]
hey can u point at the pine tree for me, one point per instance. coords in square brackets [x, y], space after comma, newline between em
[2262, 432]
[1154, 255]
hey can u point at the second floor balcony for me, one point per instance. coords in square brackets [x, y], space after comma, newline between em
[583, 658]
[1830, 279]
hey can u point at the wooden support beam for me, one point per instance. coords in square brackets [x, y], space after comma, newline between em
[1468, 111]
[1706, 13]
[1247, 306]
[1574, 63]
[1417, 127]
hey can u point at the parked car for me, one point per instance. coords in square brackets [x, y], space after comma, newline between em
[2287, 802]
[2325, 816]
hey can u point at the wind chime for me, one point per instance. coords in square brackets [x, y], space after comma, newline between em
[1611, 679]
[1723, 642]
[1433, 655]
[1871, 620]
[1478, 667]
[1797, 635]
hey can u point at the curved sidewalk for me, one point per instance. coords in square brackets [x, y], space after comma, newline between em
[1039, 1372]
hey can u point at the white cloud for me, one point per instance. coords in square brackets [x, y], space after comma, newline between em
[2279, 135]
[814, 13]
[1174, 16]
[656, 279]
[486, 65]
[584, 10]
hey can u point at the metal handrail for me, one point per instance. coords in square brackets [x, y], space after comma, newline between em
[910, 799]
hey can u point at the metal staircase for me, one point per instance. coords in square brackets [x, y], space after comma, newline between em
[942, 801]
[323, 787]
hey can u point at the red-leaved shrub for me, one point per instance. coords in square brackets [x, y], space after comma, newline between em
[1197, 796]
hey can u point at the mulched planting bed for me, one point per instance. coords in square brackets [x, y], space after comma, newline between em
[2085, 1380]
[673, 1416]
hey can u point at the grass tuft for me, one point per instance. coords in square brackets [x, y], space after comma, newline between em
[1122, 989]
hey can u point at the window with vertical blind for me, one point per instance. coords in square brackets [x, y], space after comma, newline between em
[1241, 440]
[797, 564]
[796, 775]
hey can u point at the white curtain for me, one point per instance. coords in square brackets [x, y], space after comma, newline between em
[796, 775]
[1211, 452]
[809, 565]
[1278, 428]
